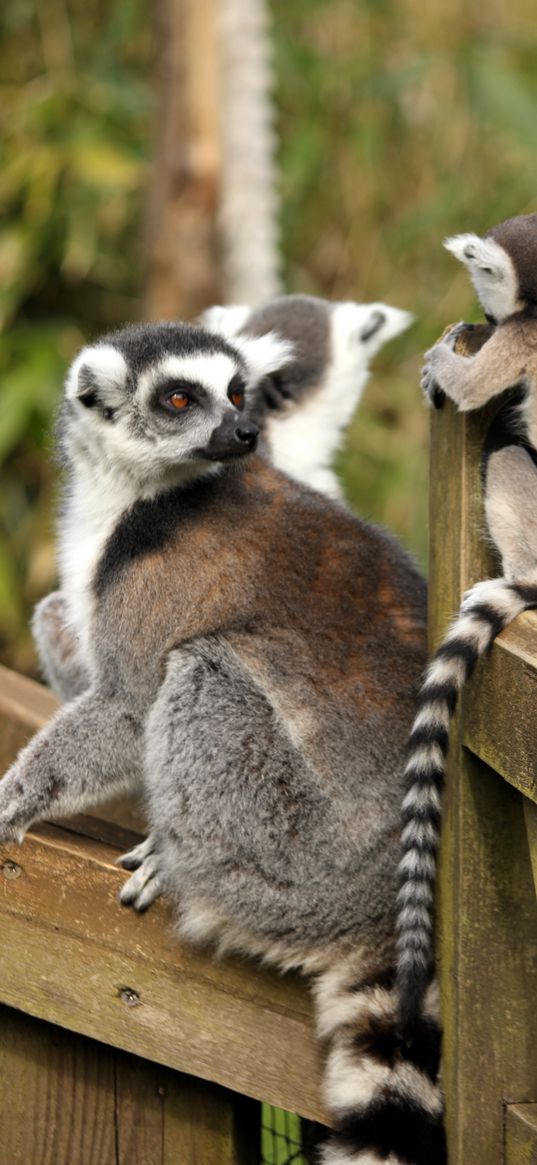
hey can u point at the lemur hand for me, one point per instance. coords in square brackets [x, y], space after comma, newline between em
[435, 362]
[13, 820]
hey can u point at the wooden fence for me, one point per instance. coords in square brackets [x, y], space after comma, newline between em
[488, 910]
[120, 1044]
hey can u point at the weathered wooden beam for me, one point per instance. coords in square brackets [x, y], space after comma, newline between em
[72, 955]
[38, 1071]
[500, 721]
[488, 913]
[521, 1134]
[72, 950]
[68, 1100]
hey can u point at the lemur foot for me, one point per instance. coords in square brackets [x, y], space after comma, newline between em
[146, 884]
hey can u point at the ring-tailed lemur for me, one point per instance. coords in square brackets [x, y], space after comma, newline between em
[256, 649]
[302, 410]
[333, 344]
[503, 267]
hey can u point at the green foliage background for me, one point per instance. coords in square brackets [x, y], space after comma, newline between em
[400, 122]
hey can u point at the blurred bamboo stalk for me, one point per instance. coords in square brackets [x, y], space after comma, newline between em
[213, 203]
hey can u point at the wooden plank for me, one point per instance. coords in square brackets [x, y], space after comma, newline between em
[491, 1018]
[47, 1075]
[521, 1134]
[206, 1125]
[530, 817]
[500, 725]
[67, 1100]
[132, 984]
[487, 908]
[458, 554]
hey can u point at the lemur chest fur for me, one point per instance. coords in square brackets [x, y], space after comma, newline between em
[92, 511]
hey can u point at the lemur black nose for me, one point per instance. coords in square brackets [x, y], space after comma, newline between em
[247, 433]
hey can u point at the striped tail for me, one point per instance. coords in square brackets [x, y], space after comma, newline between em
[383, 1097]
[486, 609]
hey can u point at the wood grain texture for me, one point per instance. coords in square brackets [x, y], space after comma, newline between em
[44, 1075]
[223, 1021]
[530, 817]
[458, 553]
[487, 907]
[67, 1100]
[521, 1134]
[500, 722]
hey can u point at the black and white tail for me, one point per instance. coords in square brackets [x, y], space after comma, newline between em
[383, 1097]
[486, 609]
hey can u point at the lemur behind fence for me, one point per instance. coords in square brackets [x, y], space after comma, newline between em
[503, 267]
[254, 651]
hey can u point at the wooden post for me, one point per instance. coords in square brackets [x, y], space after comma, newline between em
[183, 276]
[213, 208]
[488, 915]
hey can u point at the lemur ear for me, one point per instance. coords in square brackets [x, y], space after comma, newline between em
[225, 321]
[484, 254]
[264, 354]
[97, 376]
[382, 322]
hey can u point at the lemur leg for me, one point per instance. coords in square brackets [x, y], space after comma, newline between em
[238, 820]
[510, 499]
[58, 650]
[470, 381]
[91, 750]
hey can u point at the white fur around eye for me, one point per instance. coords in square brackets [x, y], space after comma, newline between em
[213, 370]
[105, 361]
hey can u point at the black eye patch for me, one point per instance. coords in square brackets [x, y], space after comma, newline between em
[89, 399]
[174, 387]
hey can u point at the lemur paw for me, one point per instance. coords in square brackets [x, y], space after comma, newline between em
[134, 858]
[146, 884]
[429, 386]
[435, 358]
[11, 827]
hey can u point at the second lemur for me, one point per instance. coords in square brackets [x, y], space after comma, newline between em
[255, 650]
[503, 267]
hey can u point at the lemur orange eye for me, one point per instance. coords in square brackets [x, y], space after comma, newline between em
[236, 392]
[179, 400]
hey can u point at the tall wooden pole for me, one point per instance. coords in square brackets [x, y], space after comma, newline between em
[213, 202]
[183, 270]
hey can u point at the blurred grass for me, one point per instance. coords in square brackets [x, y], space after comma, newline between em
[399, 123]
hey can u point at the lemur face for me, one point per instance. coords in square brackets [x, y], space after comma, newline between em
[492, 272]
[155, 397]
